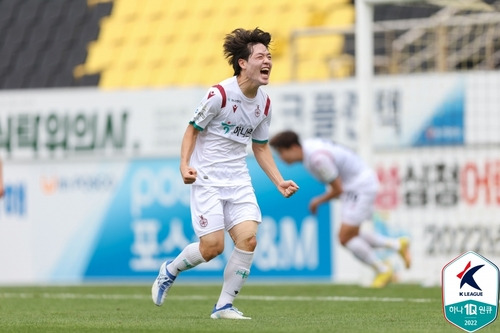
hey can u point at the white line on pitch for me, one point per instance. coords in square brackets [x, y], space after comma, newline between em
[202, 298]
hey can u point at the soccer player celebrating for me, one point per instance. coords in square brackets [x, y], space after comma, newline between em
[232, 114]
[351, 180]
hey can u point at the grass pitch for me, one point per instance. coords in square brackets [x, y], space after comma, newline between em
[273, 308]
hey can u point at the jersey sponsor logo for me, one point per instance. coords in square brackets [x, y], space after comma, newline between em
[227, 126]
[242, 131]
[238, 130]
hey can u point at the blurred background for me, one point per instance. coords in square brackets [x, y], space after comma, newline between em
[95, 96]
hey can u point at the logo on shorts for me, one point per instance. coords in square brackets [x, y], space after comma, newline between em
[203, 221]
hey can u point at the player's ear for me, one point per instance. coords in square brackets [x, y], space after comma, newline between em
[242, 63]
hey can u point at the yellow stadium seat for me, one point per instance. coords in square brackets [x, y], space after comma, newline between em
[312, 70]
[142, 31]
[127, 56]
[152, 10]
[139, 78]
[154, 55]
[165, 76]
[112, 32]
[99, 58]
[178, 9]
[113, 78]
[340, 16]
[125, 10]
[281, 71]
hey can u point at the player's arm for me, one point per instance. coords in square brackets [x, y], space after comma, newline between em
[264, 157]
[188, 142]
[334, 190]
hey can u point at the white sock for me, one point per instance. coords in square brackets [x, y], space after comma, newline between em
[235, 274]
[189, 257]
[364, 252]
[378, 240]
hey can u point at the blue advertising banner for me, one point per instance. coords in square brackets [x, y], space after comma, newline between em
[148, 221]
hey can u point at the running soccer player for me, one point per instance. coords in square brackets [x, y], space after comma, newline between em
[232, 114]
[351, 180]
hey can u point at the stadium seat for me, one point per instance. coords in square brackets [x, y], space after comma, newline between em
[113, 32]
[99, 58]
[125, 10]
[153, 10]
[127, 55]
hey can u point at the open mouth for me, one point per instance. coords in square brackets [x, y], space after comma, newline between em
[265, 71]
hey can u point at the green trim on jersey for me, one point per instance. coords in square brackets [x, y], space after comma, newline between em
[196, 126]
[259, 141]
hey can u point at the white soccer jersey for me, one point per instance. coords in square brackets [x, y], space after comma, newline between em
[327, 160]
[228, 121]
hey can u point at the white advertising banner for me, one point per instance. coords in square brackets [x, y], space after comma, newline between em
[49, 208]
[409, 111]
[90, 123]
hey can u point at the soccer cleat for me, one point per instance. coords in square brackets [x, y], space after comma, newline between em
[404, 251]
[162, 284]
[383, 279]
[227, 312]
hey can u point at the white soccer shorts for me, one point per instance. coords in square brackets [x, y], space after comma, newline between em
[215, 207]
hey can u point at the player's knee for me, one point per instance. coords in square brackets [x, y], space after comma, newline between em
[252, 243]
[344, 238]
[346, 233]
[211, 250]
[246, 242]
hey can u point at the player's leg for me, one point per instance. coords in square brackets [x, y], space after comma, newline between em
[237, 270]
[356, 208]
[209, 247]
[208, 223]
[359, 247]
[401, 244]
[242, 207]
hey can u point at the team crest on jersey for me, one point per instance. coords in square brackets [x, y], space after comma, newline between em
[235, 107]
[257, 111]
[203, 221]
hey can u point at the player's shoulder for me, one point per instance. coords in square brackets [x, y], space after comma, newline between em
[222, 90]
[261, 93]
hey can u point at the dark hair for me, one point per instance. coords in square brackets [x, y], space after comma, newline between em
[239, 45]
[285, 139]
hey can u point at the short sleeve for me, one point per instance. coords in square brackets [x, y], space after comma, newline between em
[208, 108]
[323, 167]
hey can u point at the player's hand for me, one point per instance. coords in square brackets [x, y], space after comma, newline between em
[188, 174]
[288, 188]
[313, 205]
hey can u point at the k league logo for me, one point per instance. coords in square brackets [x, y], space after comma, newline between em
[470, 285]
[467, 277]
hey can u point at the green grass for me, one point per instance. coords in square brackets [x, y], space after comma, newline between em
[273, 308]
